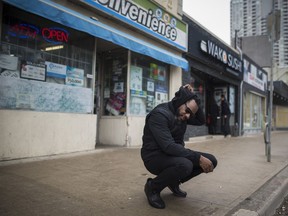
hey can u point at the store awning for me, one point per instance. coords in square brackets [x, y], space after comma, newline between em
[280, 93]
[73, 19]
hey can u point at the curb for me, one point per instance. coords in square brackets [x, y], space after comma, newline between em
[204, 138]
[266, 199]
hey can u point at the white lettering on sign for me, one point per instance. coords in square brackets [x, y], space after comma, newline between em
[221, 55]
[141, 16]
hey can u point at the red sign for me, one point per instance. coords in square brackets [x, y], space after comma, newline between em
[53, 35]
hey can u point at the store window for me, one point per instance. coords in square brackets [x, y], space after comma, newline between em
[44, 66]
[149, 84]
[253, 111]
[199, 90]
[115, 82]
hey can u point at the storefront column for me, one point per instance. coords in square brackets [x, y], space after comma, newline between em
[175, 80]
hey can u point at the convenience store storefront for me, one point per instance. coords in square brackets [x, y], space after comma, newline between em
[75, 74]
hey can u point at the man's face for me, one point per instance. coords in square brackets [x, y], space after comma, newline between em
[187, 110]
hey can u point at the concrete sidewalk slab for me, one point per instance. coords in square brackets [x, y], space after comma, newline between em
[111, 181]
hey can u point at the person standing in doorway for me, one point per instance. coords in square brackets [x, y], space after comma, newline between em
[214, 113]
[163, 150]
[225, 116]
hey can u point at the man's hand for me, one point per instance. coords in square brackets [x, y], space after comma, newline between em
[206, 164]
[189, 87]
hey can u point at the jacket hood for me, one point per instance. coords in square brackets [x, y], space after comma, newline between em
[182, 96]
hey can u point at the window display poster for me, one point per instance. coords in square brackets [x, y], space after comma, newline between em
[149, 103]
[118, 87]
[30, 70]
[107, 92]
[9, 73]
[8, 66]
[44, 96]
[116, 103]
[56, 70]
[138, 93]
[136, 78]
[150, 86]
[157, 72]
[137, 106]
[8, 62]
[232, 99]
[117, 67]
[153, 71]
[74, 76]
[161, 73]
[160, 97]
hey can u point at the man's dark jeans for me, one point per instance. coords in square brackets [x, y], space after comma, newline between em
[171, 170]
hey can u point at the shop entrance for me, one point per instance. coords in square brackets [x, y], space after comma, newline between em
[111, 67]
[214, 87]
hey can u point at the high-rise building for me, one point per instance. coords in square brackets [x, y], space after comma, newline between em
[249, 26]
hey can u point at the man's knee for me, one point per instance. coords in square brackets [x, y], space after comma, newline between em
[213, 160]
[211, 157]
[184, 167]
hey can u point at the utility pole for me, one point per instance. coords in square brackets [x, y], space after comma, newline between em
[273, 29]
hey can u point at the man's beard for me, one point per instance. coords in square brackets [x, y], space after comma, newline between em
[178, 116]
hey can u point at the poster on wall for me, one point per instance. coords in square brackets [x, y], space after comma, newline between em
[118, 87]
[136, 78]
[154, 71]
[137, 106]
[160, 97]
[157, 72]
[161, 73]
[107, 92]
[117, 67]
[115, 103]
[74, 76]
[8, 66]
[56, 70]
[149, 103]
[150, 86]
[217, 95]
[30, 70]
[8, 62]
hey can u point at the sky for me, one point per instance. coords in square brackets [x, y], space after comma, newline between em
[214, 15]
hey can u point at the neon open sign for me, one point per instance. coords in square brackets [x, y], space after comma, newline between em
[54, 35]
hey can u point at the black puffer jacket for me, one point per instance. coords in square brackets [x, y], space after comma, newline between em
[163, 132]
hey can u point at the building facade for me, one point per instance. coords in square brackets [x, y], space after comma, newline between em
[214, 69]
[76, 74]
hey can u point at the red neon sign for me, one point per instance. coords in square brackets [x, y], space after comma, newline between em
[54, 35]
[23, 31]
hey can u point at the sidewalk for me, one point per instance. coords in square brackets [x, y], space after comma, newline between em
[110, 181]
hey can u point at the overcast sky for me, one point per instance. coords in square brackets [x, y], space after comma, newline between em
[212, 14]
